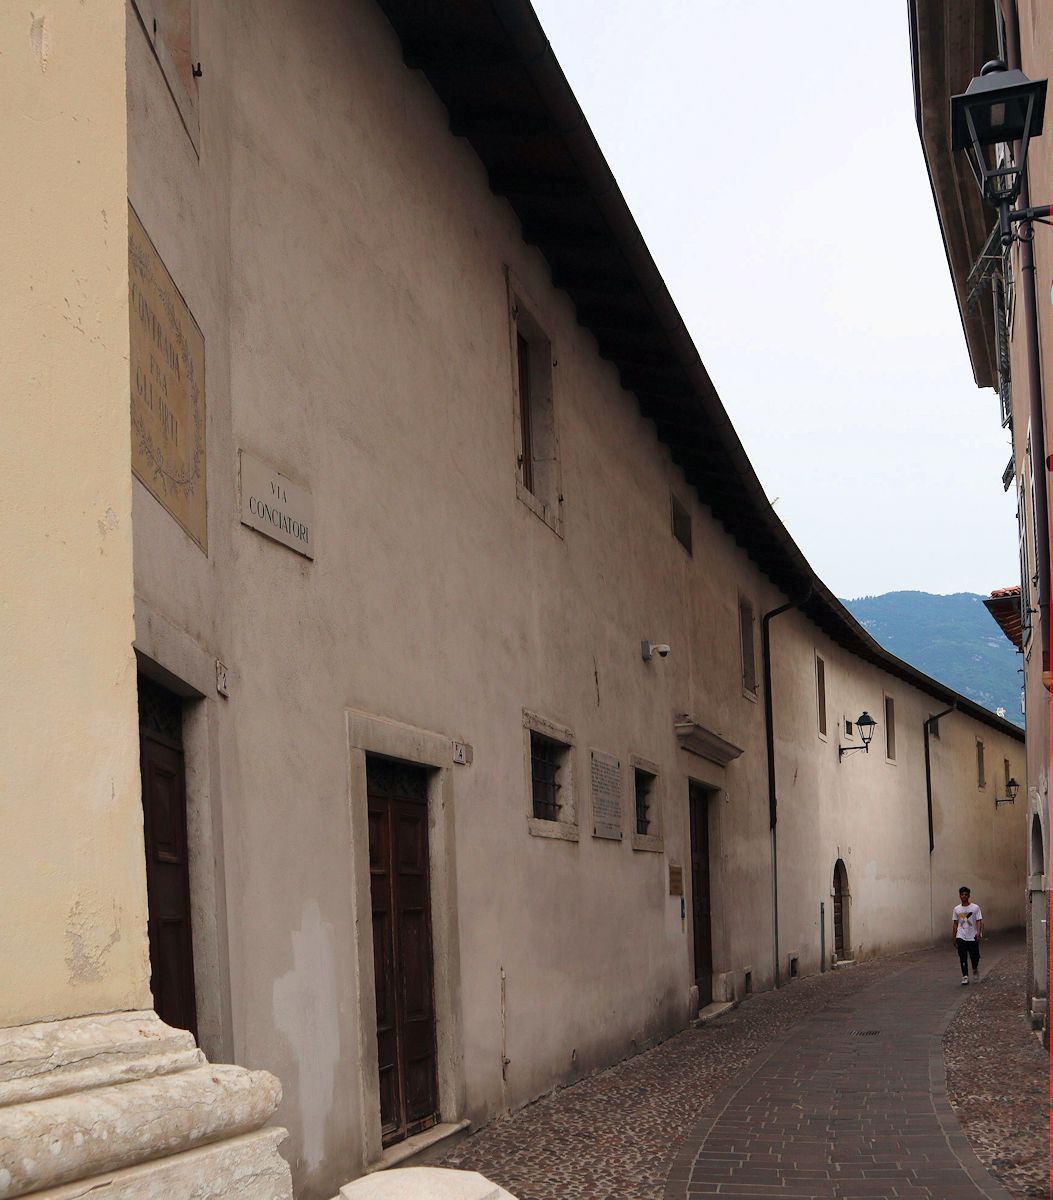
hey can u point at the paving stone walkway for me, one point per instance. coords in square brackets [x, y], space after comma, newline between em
[852, 1105]
[831, 1088]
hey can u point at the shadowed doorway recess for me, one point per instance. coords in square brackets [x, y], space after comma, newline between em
[402, 947]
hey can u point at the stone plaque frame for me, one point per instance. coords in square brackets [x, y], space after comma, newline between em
[606, 793]
[167, 382]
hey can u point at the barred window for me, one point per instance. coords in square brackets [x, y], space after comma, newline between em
[546, 764]
[644, 781]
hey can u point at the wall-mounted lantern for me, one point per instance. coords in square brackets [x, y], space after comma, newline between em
[866, 726]
[1011, 789]
[998, 108]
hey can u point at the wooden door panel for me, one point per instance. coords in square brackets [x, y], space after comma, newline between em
[384, 969]
[701, 916]
[167, 865]
[403, 961]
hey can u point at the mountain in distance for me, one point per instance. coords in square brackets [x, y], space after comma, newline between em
[952, 638]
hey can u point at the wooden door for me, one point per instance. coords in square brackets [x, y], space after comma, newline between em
[840, 899]
[402, 951]
[167, 862]
[701, 922]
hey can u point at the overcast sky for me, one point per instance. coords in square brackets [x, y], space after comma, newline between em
[769, 153]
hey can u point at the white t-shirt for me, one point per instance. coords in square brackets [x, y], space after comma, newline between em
[966, 916]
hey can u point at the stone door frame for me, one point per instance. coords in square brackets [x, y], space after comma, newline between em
[371, 734]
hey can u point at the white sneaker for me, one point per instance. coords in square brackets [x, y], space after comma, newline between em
[965, 981]
[976, 975]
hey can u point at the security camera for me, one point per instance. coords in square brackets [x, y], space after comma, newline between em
[649, 649]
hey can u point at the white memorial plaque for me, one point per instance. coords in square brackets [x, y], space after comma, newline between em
[277, 507]
[606, 796]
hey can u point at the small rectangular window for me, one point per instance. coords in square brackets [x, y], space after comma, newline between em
[547, 759]
[850, 729]
[820, 692]
[1005, 763]
[526, 460]
[647, 815]
[890, 729]
[1025, 567]
[681, 523]
[536, 439]
[981, 778]
[749, 661]
[644, 782]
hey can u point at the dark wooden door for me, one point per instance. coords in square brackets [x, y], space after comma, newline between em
[839, 915]
[402, 951]
[167, 863]
[701, 922]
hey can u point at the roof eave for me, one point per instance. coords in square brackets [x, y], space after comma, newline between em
[948, 45]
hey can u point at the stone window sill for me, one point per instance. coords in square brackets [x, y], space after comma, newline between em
[562, 831]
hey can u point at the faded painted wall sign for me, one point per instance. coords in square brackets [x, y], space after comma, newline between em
[168, 388]
[606, 796]
[676, 880]
[277, 507]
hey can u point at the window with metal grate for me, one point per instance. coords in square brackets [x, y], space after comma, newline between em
[546, 762]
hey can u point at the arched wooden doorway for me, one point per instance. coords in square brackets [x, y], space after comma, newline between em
[842, 944]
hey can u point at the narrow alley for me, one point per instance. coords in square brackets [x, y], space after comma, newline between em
[832, 1087]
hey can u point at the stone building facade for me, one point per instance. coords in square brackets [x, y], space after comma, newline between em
[484, 721]
[1004, 302]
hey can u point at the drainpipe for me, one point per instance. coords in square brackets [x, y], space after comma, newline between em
[1029, 295]
[769, 733]
[925, 726]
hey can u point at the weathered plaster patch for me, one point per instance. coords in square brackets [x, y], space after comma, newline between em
[40, 39]
[86, 951]
[109, 523]
[304, 1008]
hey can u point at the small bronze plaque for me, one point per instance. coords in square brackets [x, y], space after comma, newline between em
[676, 880]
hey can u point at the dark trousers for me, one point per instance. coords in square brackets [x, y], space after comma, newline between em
[967, 951]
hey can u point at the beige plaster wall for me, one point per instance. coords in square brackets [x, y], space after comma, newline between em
[72, 888]
[1036, 45]
[871, 812]
[346, 262]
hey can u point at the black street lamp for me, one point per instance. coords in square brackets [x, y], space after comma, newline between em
[998, 108]
[866, 726]
[1011, 789]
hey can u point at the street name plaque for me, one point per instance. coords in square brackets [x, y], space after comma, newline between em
[275, 506]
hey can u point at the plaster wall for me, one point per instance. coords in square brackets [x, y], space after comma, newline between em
[1036, 48]
[346, 262]
[72, 883]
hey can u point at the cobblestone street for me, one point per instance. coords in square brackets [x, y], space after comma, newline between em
[998, 1080]
[819, 1090]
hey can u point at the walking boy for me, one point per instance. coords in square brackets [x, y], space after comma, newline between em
[967, 926]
